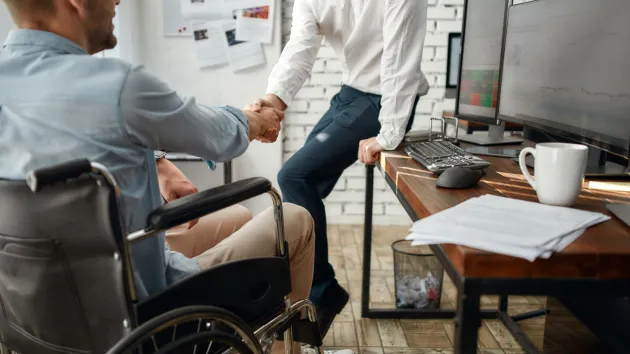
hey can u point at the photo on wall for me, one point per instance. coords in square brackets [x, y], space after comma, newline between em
[201, 35]
[231, 37]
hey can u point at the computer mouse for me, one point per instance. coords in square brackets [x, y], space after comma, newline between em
[459, 177]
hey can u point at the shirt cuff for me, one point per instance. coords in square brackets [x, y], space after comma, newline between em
[282, 94]
[158, 154]
[390, 136]
[239, 115]
[385, 144]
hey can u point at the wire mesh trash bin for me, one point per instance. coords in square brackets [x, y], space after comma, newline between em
[418, 276]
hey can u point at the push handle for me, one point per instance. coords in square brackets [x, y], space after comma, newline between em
[47, 176]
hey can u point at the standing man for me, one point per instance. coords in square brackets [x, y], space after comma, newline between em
[379, 43]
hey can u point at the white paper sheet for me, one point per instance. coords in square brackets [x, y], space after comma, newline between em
[205, 10]
[241, 55]
[255, 23]
[255, 18]
[507, 226]
[210, 45]
[219, 9]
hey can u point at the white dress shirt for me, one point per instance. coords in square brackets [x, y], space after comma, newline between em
[379, 43]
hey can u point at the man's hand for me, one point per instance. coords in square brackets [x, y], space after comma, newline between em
[174, 184]
[267, 106]
[264, 124]
[369, 151]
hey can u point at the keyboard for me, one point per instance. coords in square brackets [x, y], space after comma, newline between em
[437, 156]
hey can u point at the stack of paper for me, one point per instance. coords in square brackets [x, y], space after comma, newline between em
[506, 226]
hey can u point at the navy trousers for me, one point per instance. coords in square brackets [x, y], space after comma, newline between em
[309, 176]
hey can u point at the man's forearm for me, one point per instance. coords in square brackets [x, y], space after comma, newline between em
[401, 67]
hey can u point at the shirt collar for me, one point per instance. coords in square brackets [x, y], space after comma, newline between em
[42, 38]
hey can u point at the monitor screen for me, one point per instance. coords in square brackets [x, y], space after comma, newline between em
[481, 59]
[566, 70]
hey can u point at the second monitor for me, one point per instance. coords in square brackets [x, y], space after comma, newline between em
[480, 70]
[566, 74]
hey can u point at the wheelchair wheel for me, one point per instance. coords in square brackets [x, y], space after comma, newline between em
[193, 329]
[203, 341]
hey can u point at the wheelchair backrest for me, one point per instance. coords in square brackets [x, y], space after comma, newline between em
[62, 282]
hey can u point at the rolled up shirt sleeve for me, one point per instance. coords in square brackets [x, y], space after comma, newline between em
[158, 118]
[404, 30]
[298, 56]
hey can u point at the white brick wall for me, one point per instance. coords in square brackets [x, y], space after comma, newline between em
[346, 204]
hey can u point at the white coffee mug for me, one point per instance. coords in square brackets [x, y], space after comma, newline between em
[559, 170]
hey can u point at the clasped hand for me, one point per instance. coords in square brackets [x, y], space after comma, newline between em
[264, 121]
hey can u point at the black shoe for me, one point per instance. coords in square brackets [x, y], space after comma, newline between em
[334, 300]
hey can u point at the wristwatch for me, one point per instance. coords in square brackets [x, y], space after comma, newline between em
[159, 154]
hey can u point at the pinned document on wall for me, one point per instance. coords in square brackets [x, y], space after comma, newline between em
[210, 45]
[255, 23]
[255, 18]
[242, 54]
[226, 31]
[205, 9]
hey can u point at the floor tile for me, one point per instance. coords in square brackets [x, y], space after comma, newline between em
[423, 326]
[428, 340]
[391, 333]
[371, 350]
[367, 333]
[345, 334]
[390, 336]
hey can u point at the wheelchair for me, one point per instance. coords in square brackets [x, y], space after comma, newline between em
[67, 281]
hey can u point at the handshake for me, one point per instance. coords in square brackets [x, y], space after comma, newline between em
[265, 116]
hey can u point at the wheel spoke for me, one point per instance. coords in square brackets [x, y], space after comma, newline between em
[174, 333]
[198, 330]
[155, 346]
[209, 347]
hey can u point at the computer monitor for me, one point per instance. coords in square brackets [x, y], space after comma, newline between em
[566, 71]
[479, 71]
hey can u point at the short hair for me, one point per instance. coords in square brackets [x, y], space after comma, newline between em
[18, 8]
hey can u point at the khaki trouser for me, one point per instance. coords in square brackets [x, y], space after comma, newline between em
[232, 234]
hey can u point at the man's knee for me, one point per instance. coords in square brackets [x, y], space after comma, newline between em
[298, 222]
[239, 215]
[289, 174]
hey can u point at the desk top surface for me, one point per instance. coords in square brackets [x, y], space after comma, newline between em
[602, 252]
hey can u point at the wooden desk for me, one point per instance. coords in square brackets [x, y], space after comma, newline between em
[597, 263]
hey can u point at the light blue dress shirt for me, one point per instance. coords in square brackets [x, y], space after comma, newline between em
[58, 103]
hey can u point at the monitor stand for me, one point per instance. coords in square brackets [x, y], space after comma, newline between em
[496, 136]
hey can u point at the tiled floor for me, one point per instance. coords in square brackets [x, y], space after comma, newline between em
[368, 336]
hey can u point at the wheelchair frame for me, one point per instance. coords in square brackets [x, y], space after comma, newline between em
[283, 322]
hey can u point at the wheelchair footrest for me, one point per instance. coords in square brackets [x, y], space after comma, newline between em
[306, 332]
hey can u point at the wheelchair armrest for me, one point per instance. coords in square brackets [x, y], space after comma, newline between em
[194, 206]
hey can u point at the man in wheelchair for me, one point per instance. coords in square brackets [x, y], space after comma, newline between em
[59, 103]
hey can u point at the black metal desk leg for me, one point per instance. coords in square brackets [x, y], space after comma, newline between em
[503, 303]
[468, 318]
[367, 240]
[227, 172]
